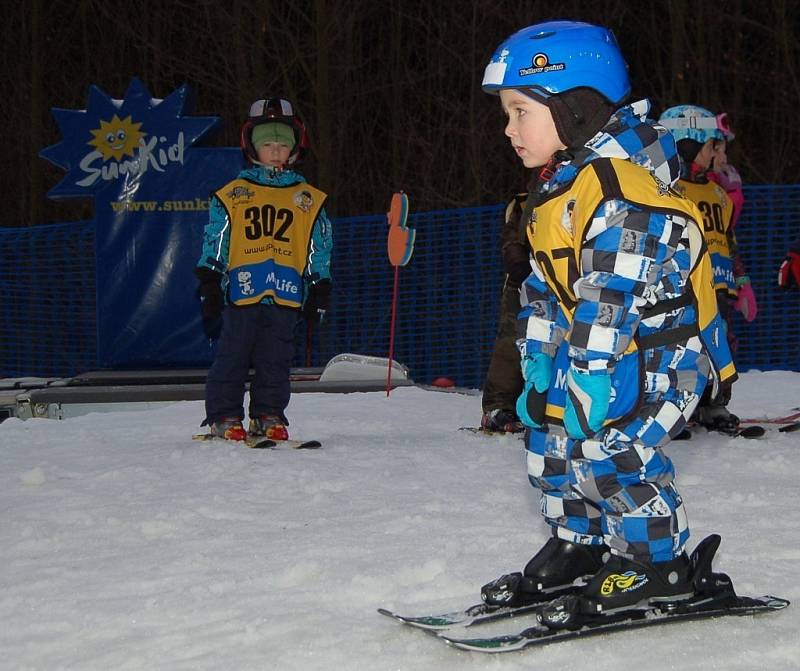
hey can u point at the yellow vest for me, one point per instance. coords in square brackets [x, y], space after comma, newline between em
[269, 239]
[558, 228]
[716, 210]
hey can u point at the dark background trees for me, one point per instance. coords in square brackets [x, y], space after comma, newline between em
[390, 90]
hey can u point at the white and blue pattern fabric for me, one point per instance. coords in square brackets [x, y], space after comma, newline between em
[614, 484]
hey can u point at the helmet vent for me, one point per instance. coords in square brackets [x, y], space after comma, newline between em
[541, 36]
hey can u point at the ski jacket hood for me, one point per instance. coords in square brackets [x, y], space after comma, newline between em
[631, 136]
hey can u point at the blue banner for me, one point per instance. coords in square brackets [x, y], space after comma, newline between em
[151, 186]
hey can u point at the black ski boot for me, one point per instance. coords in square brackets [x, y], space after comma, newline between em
[717, 418]
[625, 584]
[501, 421]
[557, 566]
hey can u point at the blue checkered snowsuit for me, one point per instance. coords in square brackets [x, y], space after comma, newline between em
[617, 487]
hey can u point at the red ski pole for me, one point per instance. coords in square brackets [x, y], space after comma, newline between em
[400, 246]
[391, 328]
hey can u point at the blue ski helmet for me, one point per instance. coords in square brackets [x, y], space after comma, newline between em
[692, 122]
[557, 56]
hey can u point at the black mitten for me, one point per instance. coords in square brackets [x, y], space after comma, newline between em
[212, 300]
[317, 301]
[516, 262]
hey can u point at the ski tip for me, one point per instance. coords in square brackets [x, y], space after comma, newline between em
[413, 621]
[299, 444]
[498, 644]
[264, 444]
[753, 431]
[775, 602]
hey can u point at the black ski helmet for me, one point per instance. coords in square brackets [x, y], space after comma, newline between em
[275, 110]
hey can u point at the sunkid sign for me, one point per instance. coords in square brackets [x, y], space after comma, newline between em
[144, 154]
[137, 157]
[112, 138]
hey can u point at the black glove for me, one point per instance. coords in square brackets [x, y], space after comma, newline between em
[317, 301]
[212, 299]
[516, 262]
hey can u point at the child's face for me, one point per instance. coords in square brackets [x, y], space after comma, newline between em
[274, 153]
[721, 155]
[710, 154]
[530, 128]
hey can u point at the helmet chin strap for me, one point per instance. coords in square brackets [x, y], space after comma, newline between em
[549, 168]
[696, 170]
[271, 168]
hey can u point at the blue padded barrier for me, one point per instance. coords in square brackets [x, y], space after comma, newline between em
[769, 223]
[47, 300]
[448, 293]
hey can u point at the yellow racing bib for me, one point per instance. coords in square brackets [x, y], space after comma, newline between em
[269, 239]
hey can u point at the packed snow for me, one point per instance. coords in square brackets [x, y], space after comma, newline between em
[126, 545]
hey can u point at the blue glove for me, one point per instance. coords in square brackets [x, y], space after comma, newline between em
[588, 396]
[536, 371]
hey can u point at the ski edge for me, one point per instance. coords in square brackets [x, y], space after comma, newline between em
[259, 443]
[263, 443]
[480, 431]
[748, 432]
[528, 637]
[297, 444]
[474, 615]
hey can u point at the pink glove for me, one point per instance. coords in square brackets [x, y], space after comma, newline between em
[729, 179]
[746, 299]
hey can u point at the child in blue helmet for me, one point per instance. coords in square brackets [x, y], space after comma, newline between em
[266, 255]
[619, 331]
[701, 138]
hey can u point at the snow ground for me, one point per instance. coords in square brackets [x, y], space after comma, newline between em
[126, 545]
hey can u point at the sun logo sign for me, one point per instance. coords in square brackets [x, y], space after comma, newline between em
[117, 138]
[113, 143]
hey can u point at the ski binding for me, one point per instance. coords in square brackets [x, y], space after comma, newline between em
[560, 618]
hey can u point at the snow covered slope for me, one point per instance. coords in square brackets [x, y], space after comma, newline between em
[126, 545]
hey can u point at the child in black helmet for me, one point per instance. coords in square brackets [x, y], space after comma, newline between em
[266, 256]
[503, 383]
[619, 329]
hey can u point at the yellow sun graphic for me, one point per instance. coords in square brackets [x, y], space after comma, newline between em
[117, 138]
